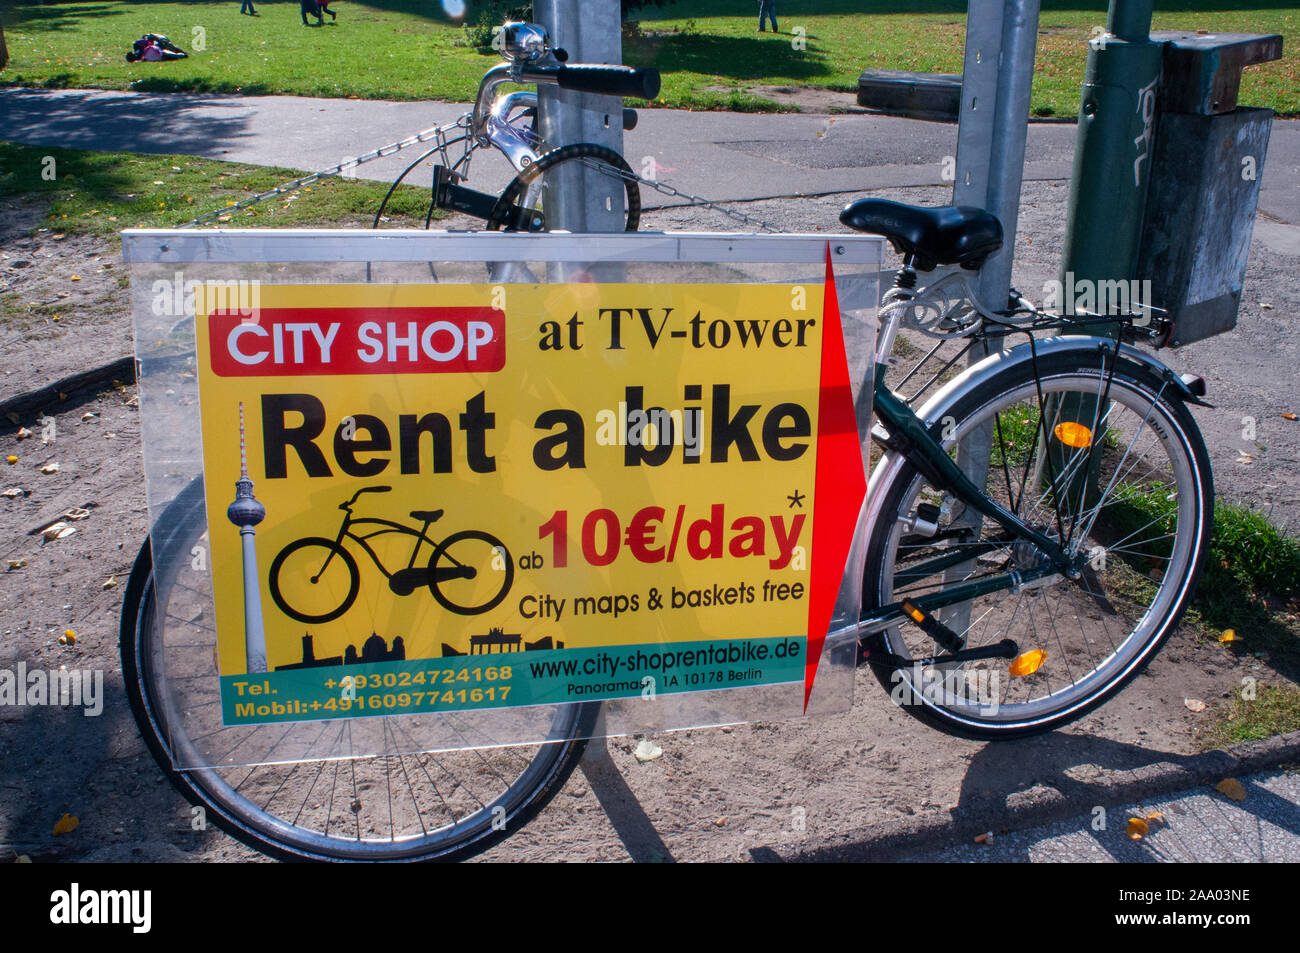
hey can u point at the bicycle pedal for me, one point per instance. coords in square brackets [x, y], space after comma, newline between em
[932, 627]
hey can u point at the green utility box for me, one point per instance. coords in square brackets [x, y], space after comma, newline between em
[1204, 157]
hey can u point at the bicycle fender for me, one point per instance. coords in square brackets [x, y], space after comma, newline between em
[932, 412]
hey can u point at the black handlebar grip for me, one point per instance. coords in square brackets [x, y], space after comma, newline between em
[609, 80]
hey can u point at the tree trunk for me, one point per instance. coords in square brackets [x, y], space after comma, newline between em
[4, 51]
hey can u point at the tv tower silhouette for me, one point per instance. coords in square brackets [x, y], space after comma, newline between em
[246, 513]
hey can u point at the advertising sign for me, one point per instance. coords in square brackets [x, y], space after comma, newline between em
[429, 498]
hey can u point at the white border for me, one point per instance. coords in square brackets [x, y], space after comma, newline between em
[143, 246]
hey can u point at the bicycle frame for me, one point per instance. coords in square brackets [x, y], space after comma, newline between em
[345, 532]
[909, 436]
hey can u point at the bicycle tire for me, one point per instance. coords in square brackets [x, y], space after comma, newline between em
[442, 549]
[526, 185]
[942, 700]
[284, 833]
[277, 593]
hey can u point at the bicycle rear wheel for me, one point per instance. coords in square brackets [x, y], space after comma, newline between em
[1145, 532]
[442, 806]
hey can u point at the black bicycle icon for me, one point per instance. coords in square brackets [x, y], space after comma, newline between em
[316, 579]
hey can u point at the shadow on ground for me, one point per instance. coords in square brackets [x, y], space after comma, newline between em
[108, 122]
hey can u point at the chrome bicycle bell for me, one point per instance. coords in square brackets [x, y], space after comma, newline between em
[524, 42]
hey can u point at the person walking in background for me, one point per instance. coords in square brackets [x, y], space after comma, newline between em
[247, 7]
[767, 10]
[325, 8]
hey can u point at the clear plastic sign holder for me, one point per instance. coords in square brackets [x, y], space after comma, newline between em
[234, 676]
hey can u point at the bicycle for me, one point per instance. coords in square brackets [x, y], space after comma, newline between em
[1102, 515]
[316, 553]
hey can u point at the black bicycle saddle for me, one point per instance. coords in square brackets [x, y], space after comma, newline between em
[429, 516]
[950, 235]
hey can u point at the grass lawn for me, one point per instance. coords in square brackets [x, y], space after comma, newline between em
[101, 193]
[708, 50]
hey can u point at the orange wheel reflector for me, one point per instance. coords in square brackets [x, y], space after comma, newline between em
[916, 614]
[1028, 663]
[1073, 435]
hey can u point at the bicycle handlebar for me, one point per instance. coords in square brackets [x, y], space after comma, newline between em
[364, 489]
[608, 80]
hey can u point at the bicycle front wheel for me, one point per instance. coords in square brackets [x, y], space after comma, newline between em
[314, 580]
[554, 172]
[1143, 521]
[320, 806]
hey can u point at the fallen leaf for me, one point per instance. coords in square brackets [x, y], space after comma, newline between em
[22, 859]
[647, 750]
[1231, 788]
[74, 277]
[89, 415]
[720, 822]
[134, 401]
[110, 583]
[68, 638]
[50, 468]
[66, 824]
[11, 459]
[1229, 635]
[76, 513]
[1155, 817]
[16, 564]
[1194, 704]
[1246, 459]
[1290, 416]
[1137, 828]
[24, 433]
[12, 492]
[985, 838]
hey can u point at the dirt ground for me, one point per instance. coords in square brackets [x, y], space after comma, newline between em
[716, 794]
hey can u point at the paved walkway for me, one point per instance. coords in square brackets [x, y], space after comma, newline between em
[732, 156]
[1199, 826]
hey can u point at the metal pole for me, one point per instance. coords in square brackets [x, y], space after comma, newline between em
[1001, 39]
[581, 199]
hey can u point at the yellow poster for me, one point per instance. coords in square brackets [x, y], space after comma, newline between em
[442, 497]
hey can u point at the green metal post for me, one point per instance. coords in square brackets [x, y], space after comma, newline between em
[1112, 155]
[1108, 189]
